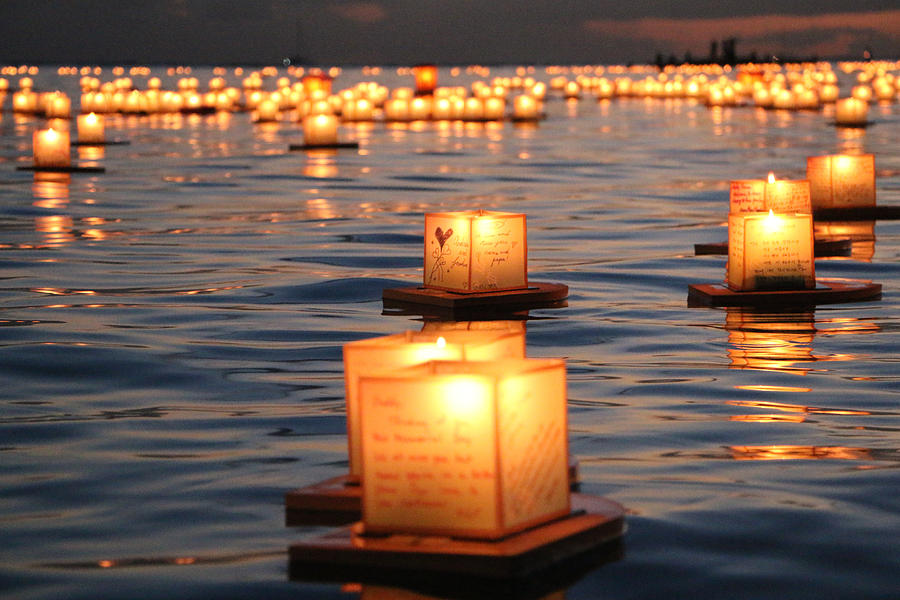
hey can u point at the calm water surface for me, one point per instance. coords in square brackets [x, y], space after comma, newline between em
[171, 331]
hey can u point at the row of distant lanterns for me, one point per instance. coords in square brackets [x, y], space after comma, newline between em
[519, 97]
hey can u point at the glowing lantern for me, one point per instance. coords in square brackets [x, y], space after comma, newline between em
[266, 111]
[320, 130]
[851, 112]
[58, 106]
[420, 109]
[769, 251]
[841, 180]
[51, 148]
[316, 81]
[572, 90]
[91, 129]
[494, 108]
[426, 79]
[525, 108]
[473, 109]
[759, 195]
[396, 109]
[475, 251]
[411, 348]
[464, 449]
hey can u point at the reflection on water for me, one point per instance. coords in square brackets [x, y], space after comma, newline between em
[783, 341]
[799, 453]
[860, 233]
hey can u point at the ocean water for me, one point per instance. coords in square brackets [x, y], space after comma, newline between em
[171, 332]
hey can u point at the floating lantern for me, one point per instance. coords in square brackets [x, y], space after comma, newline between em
[410, 348]
[320, 130]
[426, 79]
[396, 109]
[525, 108]
[841, 180]
[760, 195]
[851, 112]
[51, 148]
[91, 129]
[494, 108]
[465, 449]
[473, 109]
[316, 82]
[25, 101]
[770, 251]
[442, 109]
[420, 109]
[475, 251]
[57, 106]
[266, 111]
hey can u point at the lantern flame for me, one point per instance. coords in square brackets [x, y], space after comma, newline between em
[771, 178]
[441, 342]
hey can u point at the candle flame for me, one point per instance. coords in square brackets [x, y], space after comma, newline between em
[772, 222]
[441, 342]
[771, 177]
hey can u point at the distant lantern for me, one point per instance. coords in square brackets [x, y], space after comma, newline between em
[841, 180]
[57, 106]
[266, 111]
[464, 449]
[91, 129]
[851, 112]
[364, 357]
[51, 148]
[525, 108]
[320, 130]
[770, 251]
[475, 251]
[317, 81]
[426, 79]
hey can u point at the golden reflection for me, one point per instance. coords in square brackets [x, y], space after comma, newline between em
[320, 209]
[516, 326]
[785, 452]
[51, 190]
[851, 140]
[320, 164]
[860, 233]
[770, 342]
[56, 229]
[90, 156]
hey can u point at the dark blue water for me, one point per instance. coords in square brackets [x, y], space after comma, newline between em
[171, 332]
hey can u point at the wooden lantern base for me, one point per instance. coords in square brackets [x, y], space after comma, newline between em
[103, 143]
[827, 291]
[338, 501]
[821, 248]
[858, 213]
[296, 147]
[350, 555]
[73, 169]
[536, 295]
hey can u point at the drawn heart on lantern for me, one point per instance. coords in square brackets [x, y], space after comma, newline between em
[442, 236]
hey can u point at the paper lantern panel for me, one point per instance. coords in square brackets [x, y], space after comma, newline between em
[779, 195]
[465, 449]
[410, 348]
[841, 181]
[475, 251]
[768, 251]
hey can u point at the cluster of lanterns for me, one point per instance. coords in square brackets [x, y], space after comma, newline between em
[770, 222]
[307, 96]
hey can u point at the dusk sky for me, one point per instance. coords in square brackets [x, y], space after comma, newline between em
[445, 31]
